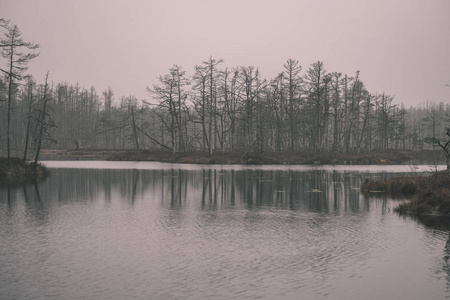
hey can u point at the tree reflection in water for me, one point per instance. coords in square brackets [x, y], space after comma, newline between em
[441, 224]
[210, 190]
[314, 190]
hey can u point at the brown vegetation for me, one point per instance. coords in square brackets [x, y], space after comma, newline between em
[288, 158]
[406, 185]
[430, 195]
[15, 171]
[432, 199]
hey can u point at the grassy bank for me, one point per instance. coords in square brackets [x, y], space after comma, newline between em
[14, 171]
[430, 194]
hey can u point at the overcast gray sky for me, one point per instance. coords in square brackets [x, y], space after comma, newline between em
[401, 47]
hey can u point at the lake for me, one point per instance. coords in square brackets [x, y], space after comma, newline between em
[144, 230]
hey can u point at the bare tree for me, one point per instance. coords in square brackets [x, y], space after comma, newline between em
[30, 85]
[171, 97]
[336, 109]
[180, 80]
[106, 117]
[212, 64]
[317, 80]
[292, 70]
[445, 146]
[17, 64]
[200, 101]
[278, 108]
[132, 105]
[44, 121]
[385, 119]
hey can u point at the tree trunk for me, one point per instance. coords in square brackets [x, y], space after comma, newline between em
[8, 110]
[136, 139]
[41, 123]
[28, 124]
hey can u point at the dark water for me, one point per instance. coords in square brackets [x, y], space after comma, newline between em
[102, 230]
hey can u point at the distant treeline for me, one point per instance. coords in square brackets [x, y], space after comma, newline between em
[222, 109]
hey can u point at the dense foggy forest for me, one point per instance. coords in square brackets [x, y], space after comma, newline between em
[214, 108]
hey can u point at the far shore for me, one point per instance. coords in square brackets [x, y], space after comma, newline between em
[387, 157]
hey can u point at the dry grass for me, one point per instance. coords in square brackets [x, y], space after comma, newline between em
[430, 194]
[406, 185]
[431, 198]
[285, 157]
[14, 171]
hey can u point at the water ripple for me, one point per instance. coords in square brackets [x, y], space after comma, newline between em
[143, 235]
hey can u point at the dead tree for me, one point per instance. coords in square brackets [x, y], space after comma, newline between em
[17, 63]
[445, 145]
[42, 124]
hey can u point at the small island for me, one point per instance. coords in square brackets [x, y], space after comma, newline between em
[15, 171]
[429, 194]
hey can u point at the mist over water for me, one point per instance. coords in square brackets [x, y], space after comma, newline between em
[177, 232]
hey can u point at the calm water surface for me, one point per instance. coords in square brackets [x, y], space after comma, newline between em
[103, 230]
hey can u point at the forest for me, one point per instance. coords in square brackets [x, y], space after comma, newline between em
[213, 109]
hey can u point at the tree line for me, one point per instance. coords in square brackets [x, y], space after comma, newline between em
[215, 109]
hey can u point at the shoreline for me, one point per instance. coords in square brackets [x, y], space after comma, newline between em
[389, 157]
[429, 195]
